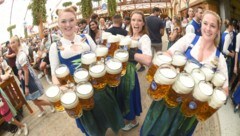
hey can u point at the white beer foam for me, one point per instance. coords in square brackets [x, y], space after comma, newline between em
[165, 76]
[85, 91]
[179, 60]
[209, 73]
[53, 93]
[105, 35]
[122, 56]
[184, 84]
[202, 91]
[114, 67]
[62, 72]
[218, 79]
[97, 71]
[69, 100]
[101, 51]
[113, 39]
[88, 58]
[197, 75]
[190, 66]
[134, 44]
[162, 59]
[80, 76]
[125, 41]
[218, 99]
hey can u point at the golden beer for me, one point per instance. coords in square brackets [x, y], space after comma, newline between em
[158, 59]
[101, 52]
[53, 94]
[179, 60]
[71, 104]
[208, 71]
[85, 95]
[216, 101]
[63, 74]
[190, 65]
[114, 69]
[179, 90]
[198, 75]
[163, 79]
[105, 37]
[201, 93]
[97, 72]
[113, 44]
[123, 56]
[88, 58]
[218, 79]
[81, 75]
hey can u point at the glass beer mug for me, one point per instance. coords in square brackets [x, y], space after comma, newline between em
[218, 79]
[113, 44]
[179, 60]
[215, 102]
[101, 52]
[85, 93]
[123, 56]
[63, 74]
[88, 57]
[159, 59]
[125, 43]
[190, 65]
[201, 93]
[97, 71]
[105, 37]
[71, 104]
[208, 71]
[114, 69]
[163, 79]
[54, 94]
[180, 89]
[198, 75]
[81, 75]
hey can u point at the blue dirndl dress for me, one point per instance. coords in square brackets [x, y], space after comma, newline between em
[35, 86]
[128, 93]
[105, 114]
[163, 121]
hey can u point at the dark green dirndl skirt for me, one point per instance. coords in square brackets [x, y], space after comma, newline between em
[105, 114]
[128, 93]
[163, 121]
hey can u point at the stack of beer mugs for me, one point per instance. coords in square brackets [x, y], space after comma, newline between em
[113, 44]
[195, 88]
[158, 59]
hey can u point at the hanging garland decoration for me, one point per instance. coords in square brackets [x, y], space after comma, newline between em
[86, 8]
[112, 7]
[38, 11]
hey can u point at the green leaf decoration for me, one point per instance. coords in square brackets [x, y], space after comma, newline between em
[38, 11]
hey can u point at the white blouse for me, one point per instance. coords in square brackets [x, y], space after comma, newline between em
[68, 51]
[183, 43]
[227, 42]
[237, 43]
[145, 45]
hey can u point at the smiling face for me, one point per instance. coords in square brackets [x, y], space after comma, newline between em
[93, 26]
[67, 22]
[210, 27]
[137, 23]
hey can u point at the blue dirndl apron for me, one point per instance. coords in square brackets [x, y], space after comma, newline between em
[163, 121]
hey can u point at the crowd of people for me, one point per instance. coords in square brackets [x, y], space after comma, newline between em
[198, 36]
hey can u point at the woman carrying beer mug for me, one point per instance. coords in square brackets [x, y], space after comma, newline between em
[32, 86]
[105, 112]
[128, 92]
[161, 120]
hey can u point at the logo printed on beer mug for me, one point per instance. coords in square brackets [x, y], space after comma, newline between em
[192, 105]
[108, 45]
[154, 85]
[179, 99]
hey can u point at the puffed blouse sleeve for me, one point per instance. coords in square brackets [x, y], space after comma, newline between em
[91, 42]
[22, 59]
[182, 44]
[53, 58]
[222, 67]
[145, 42]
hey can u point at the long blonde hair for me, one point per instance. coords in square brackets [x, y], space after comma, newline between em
[71, 9]
[219, 22]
